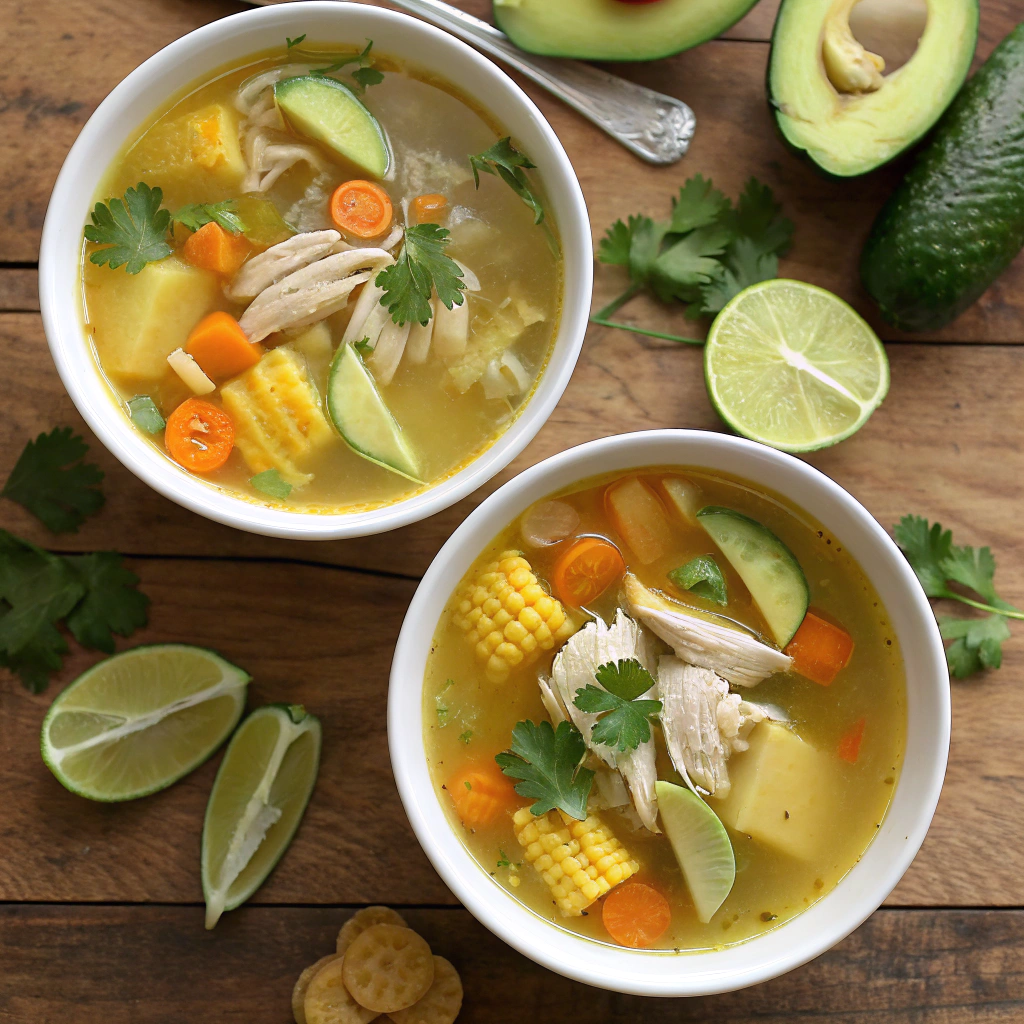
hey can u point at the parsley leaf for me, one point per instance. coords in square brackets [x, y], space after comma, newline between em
[937, 561]
[112, 601]
[701, 576]
[134, 230]
[626, 721]
[53, 483]
[422, 267]
[549, 763]
[626, 678]
[195, 215]
[366, 77]
[509, 164]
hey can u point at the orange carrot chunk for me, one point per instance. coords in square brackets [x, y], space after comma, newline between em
[819, 650]
[480, 792]
[586, 570]
[199, 436]
[639, 517]
[428, 208]
[213, 248]
[220, 347]
[636, 915]
[361, 208]
[849, 745]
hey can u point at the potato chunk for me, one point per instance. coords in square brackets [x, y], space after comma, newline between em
[146, 316]
[781, 788]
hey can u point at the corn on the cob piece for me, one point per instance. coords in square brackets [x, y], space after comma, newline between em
[277, 414]
[579, 860]
[508, 618]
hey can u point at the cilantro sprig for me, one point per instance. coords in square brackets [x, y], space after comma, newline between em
[508, 163]
[701, 576]
[550, 764]
[937, 561]
[704, 255]
[195, 215]
[625, 720]
[364, 75]
[133, 230]
[422, 268]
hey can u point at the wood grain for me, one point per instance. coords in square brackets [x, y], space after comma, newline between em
[119, 965]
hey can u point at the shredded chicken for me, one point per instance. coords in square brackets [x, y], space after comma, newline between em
[279, 261]
[574, 668]
[737, 656]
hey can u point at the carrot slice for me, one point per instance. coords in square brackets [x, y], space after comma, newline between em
[586, 570]
[636, 915]
[849, 745]
[213, 248]
[819, 649]
[199, 436]
[427, 208]
[639, 518]
[220, 347]
[480, 792]
[361, 208]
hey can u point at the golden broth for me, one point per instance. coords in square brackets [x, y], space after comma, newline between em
[466, 717]
[431, 131]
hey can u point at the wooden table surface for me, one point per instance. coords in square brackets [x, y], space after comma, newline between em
[100, 906]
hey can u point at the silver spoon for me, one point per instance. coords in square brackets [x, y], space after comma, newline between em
[656, 127]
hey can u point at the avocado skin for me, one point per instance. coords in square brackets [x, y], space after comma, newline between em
[956, 221]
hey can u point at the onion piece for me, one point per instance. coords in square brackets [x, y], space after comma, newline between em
[190, 372]
[511, 365]
[451, 331]
[388, 351]
[417, 348]
[548, 523]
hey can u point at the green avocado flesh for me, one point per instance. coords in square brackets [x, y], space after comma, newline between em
[612, 29]
[957, 220]
[833, 100]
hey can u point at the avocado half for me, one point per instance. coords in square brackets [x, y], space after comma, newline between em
[615, 29]
[831, 97]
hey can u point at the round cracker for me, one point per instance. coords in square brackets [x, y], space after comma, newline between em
[388, 968]
[302, 985]
[328, 1000]
[363, 919]
[441, 1004]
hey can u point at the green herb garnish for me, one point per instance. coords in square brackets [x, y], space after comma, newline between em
[111, 604]
[625, 721]
[977, 643]
[422, 267]
[364, 75]
[505, 161]
[701, 576]
[195, 215]
[503, 861]
[550, 764]
[706, 254]
[145, 414]
[466, 736]
[133, 229]
[52, 480]
[363, 346]
[294, 42]
[271, 483]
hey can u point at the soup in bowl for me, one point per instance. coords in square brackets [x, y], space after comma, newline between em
[682, 696]
[332, 281]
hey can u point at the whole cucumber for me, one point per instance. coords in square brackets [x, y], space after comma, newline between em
[956, 221]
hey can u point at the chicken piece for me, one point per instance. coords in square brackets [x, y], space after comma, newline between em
[703, 722]
[312, 293]
[729, 652]
[575, 667]
[279, 261]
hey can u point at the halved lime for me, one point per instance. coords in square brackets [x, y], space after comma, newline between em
[258, 799]
[793, 366]
[139, 721]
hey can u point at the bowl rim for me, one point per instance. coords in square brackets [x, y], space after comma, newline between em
[68, 341]
[801, 938]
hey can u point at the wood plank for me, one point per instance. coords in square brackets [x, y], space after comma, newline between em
[19, 289]
[723, 81]
[131, 965]
[324, 638]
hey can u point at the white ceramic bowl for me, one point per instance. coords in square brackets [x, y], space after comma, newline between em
[166, 73]
[658, 973]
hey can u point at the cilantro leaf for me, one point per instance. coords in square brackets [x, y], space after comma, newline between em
[701, 576]
[615, 246]
[271, 483]
[977, 643]
[294, 42]
[972, 568]
[682, 268]
[509, 164]
[112, 602]
[363, 347]
[365, 77]
[698, 205]
[626, 724]
[194, 215]
[626, 678]
[133, 229]
[549, 763]
[365, 74]
[422, 267]
[53, 483]
[758, 217]
[925, 547]
[742, 265]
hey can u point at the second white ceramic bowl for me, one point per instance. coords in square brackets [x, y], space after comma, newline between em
[661, 973]
[198, 54]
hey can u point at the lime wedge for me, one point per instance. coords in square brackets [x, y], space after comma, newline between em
[137, 722]
[793, 366]
[257, 802]
[701, 846]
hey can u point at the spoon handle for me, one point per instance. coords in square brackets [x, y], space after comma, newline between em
[656, 127]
